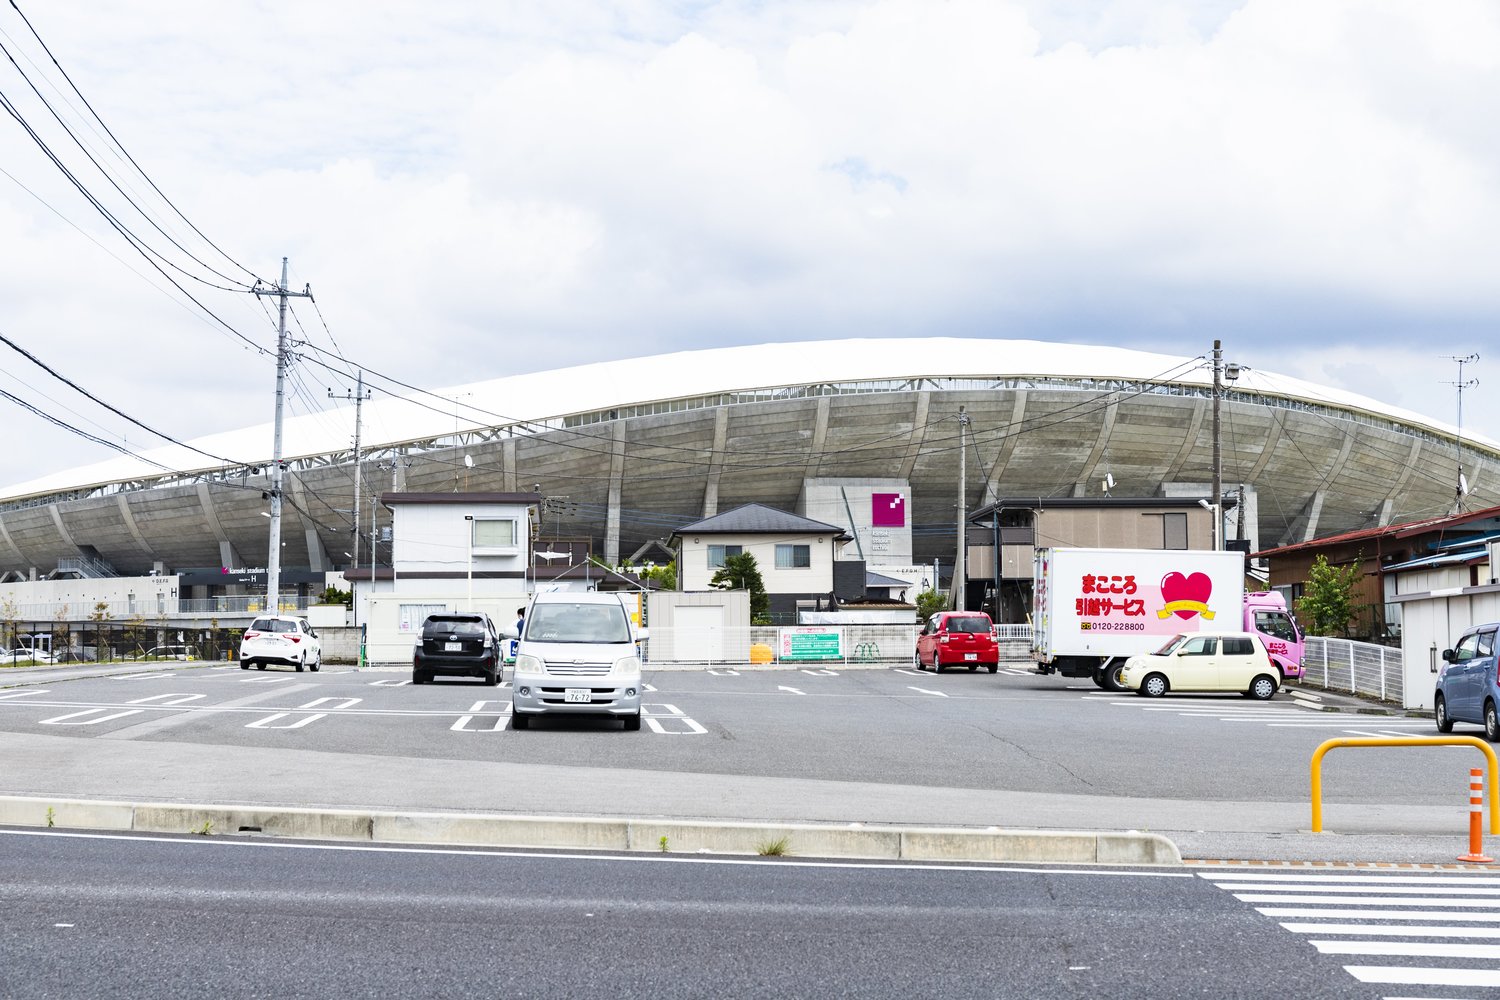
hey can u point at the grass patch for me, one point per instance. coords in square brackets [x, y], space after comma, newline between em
[778, 848]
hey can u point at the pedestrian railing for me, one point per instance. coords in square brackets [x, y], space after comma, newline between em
[1357, 667]
[1403, 741]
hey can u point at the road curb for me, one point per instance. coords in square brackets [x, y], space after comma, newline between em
[888, 843]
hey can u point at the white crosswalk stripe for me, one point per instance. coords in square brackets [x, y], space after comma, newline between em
[1427, 930]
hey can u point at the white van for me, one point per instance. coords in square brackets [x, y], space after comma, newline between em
[577, 654]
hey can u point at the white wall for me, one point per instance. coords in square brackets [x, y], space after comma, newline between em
[833, 501]
[694, 573]
[386, 641]
[1430, 624]
[434, 538]
[148, 595]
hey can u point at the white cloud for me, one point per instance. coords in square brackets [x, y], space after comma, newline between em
[476, 192]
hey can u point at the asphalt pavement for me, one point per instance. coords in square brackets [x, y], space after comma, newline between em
[66, 768]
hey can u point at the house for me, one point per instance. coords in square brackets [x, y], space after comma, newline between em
[450, 552]
[1430, 554]
[797, 556]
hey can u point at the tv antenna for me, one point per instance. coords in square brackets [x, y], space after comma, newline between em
[1461, 488]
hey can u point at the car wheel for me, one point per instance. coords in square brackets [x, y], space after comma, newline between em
[632, 723]
[1491, 723]
[937, 663]
[1263, 688]
[994, 668]
[973, 667]
[519, 721]
[492, 678]
[317, 664]
[300, 665]
[916, 660]
[1154, 686]
[1440, 715]
[244, 664]
[259, 665]
[416, 678]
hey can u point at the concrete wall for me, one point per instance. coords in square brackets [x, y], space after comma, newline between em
[848, 504]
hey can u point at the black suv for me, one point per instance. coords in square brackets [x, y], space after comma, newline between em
[464, 644]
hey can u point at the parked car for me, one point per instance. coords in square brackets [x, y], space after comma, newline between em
[1205, 661]
[170, 653]
[280, 639]
[577, 654]
[958, 638]
[25, 654]
[1468, 687]
[462, 644]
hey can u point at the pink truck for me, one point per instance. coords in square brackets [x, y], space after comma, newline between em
[1094, 608]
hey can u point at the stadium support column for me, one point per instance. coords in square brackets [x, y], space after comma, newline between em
[616, 484]
[273, 559]
[959, 583]
[1218, 501]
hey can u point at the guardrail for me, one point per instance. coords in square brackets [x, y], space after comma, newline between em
[1403, 741]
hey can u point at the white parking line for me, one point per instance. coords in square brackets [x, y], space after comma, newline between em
[346, 703]
[725, 672]
[503, 713]
[823, 672]
[143, 677]
[780, 687]
[175, 699]
[390, 682]
[62, 720]
[939, 694]
[266, 723]
[654, 715]
[23, 694]
[265, 680]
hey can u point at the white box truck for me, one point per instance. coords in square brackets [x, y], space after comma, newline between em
[1093, 608]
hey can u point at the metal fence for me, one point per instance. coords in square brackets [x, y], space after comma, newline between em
[1358, 667]
[114, 642]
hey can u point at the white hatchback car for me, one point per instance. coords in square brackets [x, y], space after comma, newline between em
[280, 639]
[1205, 661]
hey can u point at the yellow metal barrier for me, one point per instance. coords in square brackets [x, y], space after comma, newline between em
[1404, 741]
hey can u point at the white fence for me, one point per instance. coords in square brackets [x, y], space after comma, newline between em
[1358, 667]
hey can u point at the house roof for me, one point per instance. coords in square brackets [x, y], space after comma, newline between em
[758, 519]
[1403, 530]
[874, 579]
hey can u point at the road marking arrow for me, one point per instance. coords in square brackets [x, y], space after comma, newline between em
[925, 691]
[792, 690]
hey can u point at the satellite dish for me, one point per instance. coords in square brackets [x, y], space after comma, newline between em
[1463, 485]
[1109, 482]
[468, 462]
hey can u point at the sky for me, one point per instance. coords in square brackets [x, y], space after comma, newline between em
[480, 190]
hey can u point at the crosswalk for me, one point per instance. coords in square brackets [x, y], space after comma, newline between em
[1433, 932]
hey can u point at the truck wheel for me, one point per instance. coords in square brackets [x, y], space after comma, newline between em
[1098, 676]
[1112, 677]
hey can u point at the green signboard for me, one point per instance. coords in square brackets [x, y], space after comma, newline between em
[811, 643]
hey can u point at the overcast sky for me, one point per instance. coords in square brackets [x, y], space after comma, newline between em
[477, 190]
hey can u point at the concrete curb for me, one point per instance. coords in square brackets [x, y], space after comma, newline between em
[887, 843]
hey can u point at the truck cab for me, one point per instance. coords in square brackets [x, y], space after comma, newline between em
[1267, 616]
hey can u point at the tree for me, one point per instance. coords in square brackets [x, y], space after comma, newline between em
[100, 616]
[9, 615]
[741, 572]
[333, 595]
[1327, 605]
[665, 576]
[929, 603]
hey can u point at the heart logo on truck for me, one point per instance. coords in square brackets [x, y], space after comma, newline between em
[1186, 596]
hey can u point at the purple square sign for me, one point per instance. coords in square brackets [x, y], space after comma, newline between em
[887, 510]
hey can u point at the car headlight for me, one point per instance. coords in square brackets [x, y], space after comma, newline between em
[526, 663]
[629, 666]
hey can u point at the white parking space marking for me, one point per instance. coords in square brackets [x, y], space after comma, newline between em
[64, 720]
[390, 682]
[938, 694]
[502, 713]
[143, 677]
[648, 687]
[24, 694]
[792, 690]
[724, 672]
[167, 699]
[909, 673]
[822, 672]
[659, 717]
[265, 680]
[269, 721]
[345, 703]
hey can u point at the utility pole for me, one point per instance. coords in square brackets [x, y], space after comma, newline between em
[1218, 500]
[963, 514]
[273, 560]
[359, 395]
[1461, 488]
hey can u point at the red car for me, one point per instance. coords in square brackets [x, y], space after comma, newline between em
[958, 638]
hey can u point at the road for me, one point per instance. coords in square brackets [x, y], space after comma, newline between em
[105, 916]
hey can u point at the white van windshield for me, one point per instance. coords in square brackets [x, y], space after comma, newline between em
[577, 623]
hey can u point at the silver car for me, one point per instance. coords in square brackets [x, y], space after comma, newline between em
[577, 655]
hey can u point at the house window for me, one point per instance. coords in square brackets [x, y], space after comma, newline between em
[494, 533]
[793, 556]
[717, 554]
[1174, 531]
[413, 615]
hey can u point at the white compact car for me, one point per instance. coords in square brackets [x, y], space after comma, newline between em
[1205, 661]
[280, 639]
[577, 655]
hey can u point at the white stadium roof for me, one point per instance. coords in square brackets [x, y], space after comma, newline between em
[546, 395]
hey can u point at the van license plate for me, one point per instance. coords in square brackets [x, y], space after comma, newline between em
[578, 695]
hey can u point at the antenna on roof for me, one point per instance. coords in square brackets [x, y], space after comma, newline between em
[1462, 489]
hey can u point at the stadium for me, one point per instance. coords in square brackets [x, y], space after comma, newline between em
[626, 451]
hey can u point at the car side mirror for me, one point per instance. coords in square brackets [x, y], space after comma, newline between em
[1447, 656]
[642, 634]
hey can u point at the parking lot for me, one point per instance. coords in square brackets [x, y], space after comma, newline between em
[1013, 730]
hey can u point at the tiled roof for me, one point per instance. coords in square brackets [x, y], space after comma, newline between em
[758, 519]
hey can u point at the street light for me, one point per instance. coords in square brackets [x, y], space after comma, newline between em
[470, 518]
